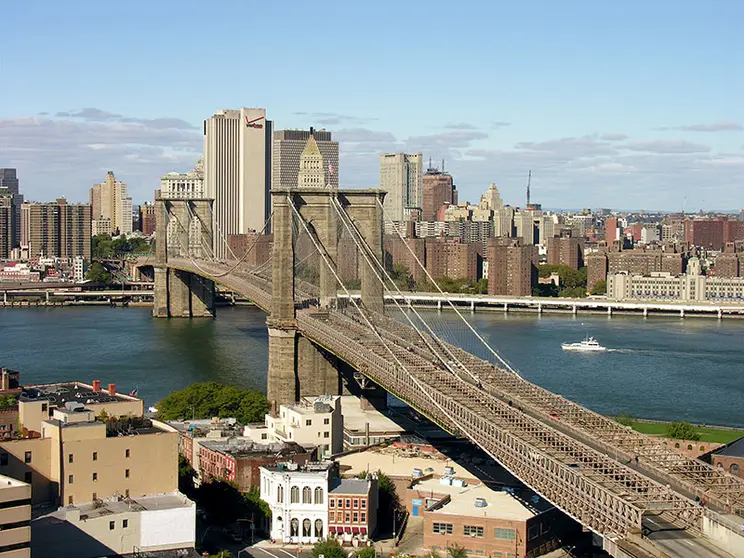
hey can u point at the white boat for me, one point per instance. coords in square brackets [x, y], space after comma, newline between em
[588, 345]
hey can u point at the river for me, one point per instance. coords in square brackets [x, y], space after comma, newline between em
[658, 367]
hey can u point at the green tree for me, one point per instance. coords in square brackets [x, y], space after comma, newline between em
[328, 549]
[98, 274]
[456, 551]
[681, 431]
[432, 554]
[256, 507]
[600, 287]
[186, 476]
[625, 419]
[210, 399]
[222, 554]
[221, 501]
[573, 292]
[8, 401]
[481, 287]
[366, 552]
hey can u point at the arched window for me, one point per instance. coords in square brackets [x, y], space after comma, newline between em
[306, 525]
[720, 466]
[307, 495]
[280, 494]
[676, 445]
[319, 528]
[294, 527]
[294, 495]
[689, 447]
[734, 468]
[318, 495]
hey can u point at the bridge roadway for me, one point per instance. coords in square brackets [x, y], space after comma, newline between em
[579, 460]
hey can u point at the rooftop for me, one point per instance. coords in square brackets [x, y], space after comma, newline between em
[350, 486]
[239, 446]
[59, 394]
[8, 481]
[313, 405]
[356, 419]
[100, 508]
[397, 463]
[309, 467]
[733, 449]
[510, 504]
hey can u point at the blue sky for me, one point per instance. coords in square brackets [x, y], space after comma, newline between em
[632, 104]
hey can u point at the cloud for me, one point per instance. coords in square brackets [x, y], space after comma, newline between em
[362, 135]
[569, 147]
[498, 124]
[97, 115]
[613, 137]
[714, 127]
[667, 146]
[332, 118]
[460, 126]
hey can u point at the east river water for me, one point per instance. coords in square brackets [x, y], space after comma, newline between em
[664, 368]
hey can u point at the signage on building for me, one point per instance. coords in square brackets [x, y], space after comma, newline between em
[253, 123]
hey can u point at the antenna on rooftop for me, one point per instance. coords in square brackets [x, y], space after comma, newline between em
[529, 181]
[442, 165]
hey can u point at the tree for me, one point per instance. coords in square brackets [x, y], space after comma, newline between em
[186, 476]
[600, 287]
[221, 501]
[98, 274]
[222, 554]
[367, 552]
[625, 419]
[681, 431]
[328, 549]
[8, 401]
[210, 399]
[456, 551]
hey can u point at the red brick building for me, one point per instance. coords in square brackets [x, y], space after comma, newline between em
[613, 231]
[565, 250]
[437, 189]
[705, 233]
[352, 507]
[512, 268]
[730, 458]
[452, 258]
[147, 219]
[260, 246]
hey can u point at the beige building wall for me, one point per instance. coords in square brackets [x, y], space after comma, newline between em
[287, 148]
[237, 171]
[401, 177]
[15, 517]
[110, 200]
[30, 461]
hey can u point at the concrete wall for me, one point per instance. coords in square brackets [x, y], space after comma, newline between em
[723, 537]
[168, 529]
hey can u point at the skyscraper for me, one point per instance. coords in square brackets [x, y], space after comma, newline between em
[438, 189]
[237, 172]
[492, 199]
[312, 172]
[287, 147]
[56, 229]
[110, 201]
[400, 177]
[9, 185]
[7, 225]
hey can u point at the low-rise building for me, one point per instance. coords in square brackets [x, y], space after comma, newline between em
[15, 519]
[730, 458]
[487, 522]
[117, 527]
[366, 426]
[310, 503]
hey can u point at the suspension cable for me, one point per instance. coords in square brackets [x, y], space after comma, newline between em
[449, 301]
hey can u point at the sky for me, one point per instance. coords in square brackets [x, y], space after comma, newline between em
[633, 104]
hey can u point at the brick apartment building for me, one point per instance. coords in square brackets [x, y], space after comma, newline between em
[437, 189]
[565, 250]
[452, 258]
[512, 268]
[634, 262]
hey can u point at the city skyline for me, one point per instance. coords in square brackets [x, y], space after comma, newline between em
[626, 107]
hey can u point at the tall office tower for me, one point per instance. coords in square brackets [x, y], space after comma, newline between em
[491, 199]
[312, 172]
[110, 200]
[9, 182]
[187, 185]
[437, 189]
[56, 229]
[237, 172]
[287, 147]
[7, 225]
[400, 177]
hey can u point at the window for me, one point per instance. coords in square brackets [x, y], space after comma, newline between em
[326, 435]
[364, 504]
[294, 495]
[326, 421]
[264, 436]
[112, 525]
[95, 456]
[348, 502]
[3, 459]
[734, 469]
[504, 534]
[473, 531]
[307, 496]
[126, 452]
[356, 503]
[363, 517]
[331, 502]
[69, 479]
[126, 493]
[126, 473]
[27, 457]
[294, 527]
[347, 517]
[70, 458]
[95, 476]
[280, 494]
[27, 477]
[125, 523]
[95, 497]
[355, 517]
[69, 500]
[306, 527]
[332, 516]
[318, 495]
[44, 407]
[442, 528]
[319, 528]
[308, 422]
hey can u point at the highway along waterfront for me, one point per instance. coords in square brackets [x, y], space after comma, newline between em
[659, 367]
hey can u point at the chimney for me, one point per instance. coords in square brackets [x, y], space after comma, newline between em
[112, 389]
[96, 385]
